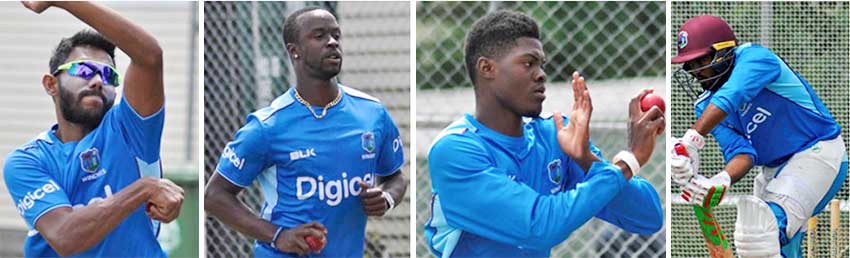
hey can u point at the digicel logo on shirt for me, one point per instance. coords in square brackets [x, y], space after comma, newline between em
[332, 192]
[230, 155]
[29, 199]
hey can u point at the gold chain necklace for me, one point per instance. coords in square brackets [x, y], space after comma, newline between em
[324, 110]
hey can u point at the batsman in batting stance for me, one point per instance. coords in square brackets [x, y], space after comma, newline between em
[762, 113]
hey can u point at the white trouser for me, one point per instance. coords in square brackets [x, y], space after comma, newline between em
[802, 182]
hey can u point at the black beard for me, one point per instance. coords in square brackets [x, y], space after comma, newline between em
[72, 112]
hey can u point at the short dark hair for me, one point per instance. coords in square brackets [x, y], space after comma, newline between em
[494, 35]
[81, 38]
[290, 26]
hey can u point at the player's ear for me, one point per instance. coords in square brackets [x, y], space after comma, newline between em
[293, 51]
[486, 68]
[50, 84]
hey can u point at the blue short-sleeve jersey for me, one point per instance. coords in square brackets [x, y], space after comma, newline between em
[500, 196]
[308, 168]
[46, 174]
[772, 112]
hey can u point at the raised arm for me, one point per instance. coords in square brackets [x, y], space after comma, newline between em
[143, 81]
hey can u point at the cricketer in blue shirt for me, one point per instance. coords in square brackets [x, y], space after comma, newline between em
[507, 182]
[762, 113]
[310, 173]
[497, 195]
[770, 101]
[775, 114]
[47, 173]
[326, 156]
[90, 186]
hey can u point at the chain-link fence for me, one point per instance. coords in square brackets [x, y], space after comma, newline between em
[618, 47]
[246, 66]
[813, 39]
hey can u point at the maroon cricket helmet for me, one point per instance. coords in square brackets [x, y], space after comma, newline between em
[700, 34]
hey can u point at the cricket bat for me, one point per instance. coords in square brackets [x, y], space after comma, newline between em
[811, 241]
[718, 246]
[834, 225]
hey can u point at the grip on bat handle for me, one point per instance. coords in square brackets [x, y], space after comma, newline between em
[680, 149]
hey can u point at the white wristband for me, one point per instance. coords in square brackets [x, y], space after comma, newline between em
[629, 158]
[389, 199]
[694, 138]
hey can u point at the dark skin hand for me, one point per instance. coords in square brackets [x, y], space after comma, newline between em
[294, 240]
[574, 139]
[371, 198]
[643, 128]
[220, 202]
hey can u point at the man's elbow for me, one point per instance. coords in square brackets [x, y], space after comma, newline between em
[65, 246]
[210, 200]
[545, 239]
[652, 223]
[213, 200]
[545, 242]
[152, 56]
[656, 222]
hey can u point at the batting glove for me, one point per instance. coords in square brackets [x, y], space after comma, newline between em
[693, 142]
[707, 192]
[681, 170]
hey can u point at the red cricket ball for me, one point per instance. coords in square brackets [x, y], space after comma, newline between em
[315, 244]
[650, 100]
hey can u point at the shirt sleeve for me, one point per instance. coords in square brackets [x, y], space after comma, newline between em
[732, 143]
[476, 196]
[245, 157]
[33, 190]
[753, 70]
[391, 156]
[636, 209]
[144, 134]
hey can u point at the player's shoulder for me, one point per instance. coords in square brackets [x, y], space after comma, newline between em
[753, 51]
[360, 98]
[544, 122]
[702, 101]
[278, 104]
[544, 117]
[459, 132]
[35, 146]
[358, 94]
[30, 153]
